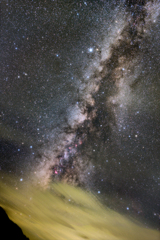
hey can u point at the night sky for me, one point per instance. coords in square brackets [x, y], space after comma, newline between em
[80, 83]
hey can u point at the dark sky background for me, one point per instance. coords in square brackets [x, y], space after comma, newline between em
[53, 54]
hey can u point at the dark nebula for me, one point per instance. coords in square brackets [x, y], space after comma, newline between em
[80, 98]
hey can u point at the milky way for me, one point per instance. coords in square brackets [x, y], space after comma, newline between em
[80, 90]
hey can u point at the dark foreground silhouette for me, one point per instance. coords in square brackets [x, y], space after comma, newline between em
[10, 230]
